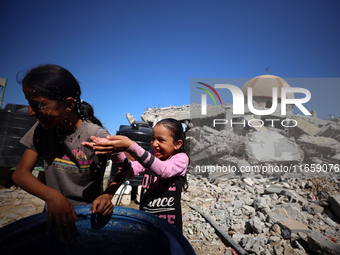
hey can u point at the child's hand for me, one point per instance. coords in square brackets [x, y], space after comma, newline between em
[62, 214]
[119, 142]
[102, 205]
[101, 145]
[109, 145]
[92, 144]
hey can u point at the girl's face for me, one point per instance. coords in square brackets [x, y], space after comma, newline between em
[162, 143]
[50, 113]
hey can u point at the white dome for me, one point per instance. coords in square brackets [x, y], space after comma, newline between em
[263, 86]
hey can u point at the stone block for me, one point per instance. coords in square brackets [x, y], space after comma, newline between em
[307, 127]
[271, 146]
[334, 203]
[292, 225]
[322, 145]
[294, 196]
[320, 244]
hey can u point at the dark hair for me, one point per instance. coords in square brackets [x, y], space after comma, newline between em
[176, 131]
[57, 83]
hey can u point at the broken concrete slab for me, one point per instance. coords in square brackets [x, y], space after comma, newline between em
[292, 225]
[256, 224]
[330, 222]
[294, 196]
[211, 151]
[210, 130]
[313, 208]
[152, 115]
[130, 118]
[334, 203]
[273, 189]
[332, 130]
[271, 147]
[248, 210]
[281, 211]
[323, 145]
[320, 244]
[336, 157]
[260, 203]
[307, 127]
[293, 210]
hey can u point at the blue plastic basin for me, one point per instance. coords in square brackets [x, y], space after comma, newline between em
[126, 231]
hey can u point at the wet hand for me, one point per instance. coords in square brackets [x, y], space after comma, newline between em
[109, 145]
[100, 145]
[95, 140]
[120, 142]
[61, 213]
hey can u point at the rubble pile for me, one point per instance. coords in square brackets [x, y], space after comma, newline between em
[260, 186]
[285, 216]
[269, 145]
[151, 115]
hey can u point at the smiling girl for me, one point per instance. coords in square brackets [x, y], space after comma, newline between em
[164, 169]
[73, 173]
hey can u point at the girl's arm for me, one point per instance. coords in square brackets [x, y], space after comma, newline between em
[175, 166]
[59, 208]
[115, 148]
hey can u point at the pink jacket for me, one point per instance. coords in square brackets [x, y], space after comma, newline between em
[175, 166]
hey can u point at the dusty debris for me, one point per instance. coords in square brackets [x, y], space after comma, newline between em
[334, 202]
[269, 145]
[320, 244]
[287, 199]
[307, 127]
[262, 222]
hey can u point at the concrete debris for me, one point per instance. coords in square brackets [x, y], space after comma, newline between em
[334, 202]
[271, 182]
[294, 196]
[130, 118]
[307, 127]
[293, 226]
[271, 147]
[261, 223]
[153, 115]
[331, 130]
[320, 244]
[254, 142]
[324, 146]
[221, 232]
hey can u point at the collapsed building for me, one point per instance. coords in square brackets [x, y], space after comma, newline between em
[280, 154]
[221, 138]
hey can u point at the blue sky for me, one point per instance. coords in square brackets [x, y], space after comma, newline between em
[133, 54]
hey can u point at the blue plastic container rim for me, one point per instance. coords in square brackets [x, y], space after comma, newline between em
[86, 220]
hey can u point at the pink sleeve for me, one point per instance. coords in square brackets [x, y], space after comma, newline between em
[175, 166]
[127, 167]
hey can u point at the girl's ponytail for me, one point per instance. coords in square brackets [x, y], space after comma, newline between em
[85, 112]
